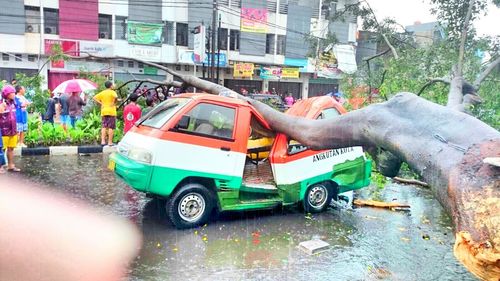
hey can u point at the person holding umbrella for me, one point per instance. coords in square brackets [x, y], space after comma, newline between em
[68, 98]
[107, 99]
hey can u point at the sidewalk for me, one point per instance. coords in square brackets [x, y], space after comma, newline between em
[63, 150]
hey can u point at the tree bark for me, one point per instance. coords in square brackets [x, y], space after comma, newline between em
[444, 146]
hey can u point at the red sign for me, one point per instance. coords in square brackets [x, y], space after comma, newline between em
[68, 47]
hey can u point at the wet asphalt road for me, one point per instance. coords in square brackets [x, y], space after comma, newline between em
[366, 243]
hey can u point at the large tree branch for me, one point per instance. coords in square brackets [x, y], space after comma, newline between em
[432, 81]
[464, 38]
[377, 55]
[486, 72]
[393, 50]
[189, 79]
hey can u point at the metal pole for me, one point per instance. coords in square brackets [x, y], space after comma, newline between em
[214, 22]
[218, 51]
[194, 73]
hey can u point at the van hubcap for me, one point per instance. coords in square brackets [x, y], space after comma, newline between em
[191, 207]
[317, 196]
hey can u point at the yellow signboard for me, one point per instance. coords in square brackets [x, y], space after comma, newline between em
[290, 72]
[243, 70]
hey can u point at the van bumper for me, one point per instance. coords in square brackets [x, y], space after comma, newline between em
[135, 174]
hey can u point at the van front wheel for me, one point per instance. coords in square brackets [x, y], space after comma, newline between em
[317, 198]
[190, 206]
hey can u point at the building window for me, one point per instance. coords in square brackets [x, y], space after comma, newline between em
[177, 67]
[121, 28]
[181, 34]
[236, 3]
[186, 68]
[32, 19]
[140, 65]
[105, 22]
[130, 64]
[272, 6]
[281, 43]
[270, 44]
[31, 57]
[51, 21]
[5, 56]
[283, 8]
[169, 34]
[234, 40]
[120, 63]
[18, 57]
[223, 39]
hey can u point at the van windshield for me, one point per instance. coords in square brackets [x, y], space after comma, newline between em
[157, 117]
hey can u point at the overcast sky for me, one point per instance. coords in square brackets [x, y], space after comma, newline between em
[406, 12]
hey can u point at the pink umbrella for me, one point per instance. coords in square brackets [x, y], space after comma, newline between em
[75, 85]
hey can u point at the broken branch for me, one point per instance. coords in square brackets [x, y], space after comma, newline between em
[379, 204]
[486, 72]
[393, 50]
[410, 181]
[432, 81]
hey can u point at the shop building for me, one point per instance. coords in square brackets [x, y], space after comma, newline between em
[268, 37]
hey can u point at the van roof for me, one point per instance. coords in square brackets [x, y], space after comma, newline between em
[204, 96]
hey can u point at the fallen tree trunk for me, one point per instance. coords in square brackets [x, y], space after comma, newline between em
[444, 146]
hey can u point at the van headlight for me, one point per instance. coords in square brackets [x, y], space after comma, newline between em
[140, 155]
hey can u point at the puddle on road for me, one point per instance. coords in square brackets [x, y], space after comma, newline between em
[366, 243]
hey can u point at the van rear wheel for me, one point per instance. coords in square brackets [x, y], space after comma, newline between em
[190, 206]
[317, 198]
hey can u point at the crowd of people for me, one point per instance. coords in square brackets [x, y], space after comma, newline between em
[13, 123]
[68, 107]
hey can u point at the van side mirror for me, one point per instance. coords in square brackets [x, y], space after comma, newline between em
[183, 123]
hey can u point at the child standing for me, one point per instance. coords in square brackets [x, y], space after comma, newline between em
[21, 114]
[131, 113]
[8, 125]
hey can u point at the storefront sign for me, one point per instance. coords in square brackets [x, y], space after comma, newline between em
[270, 72]
[303, 64]
[148, 53]
[150, 70]
[254, 20]
[199, 44]
[243, 70]
[144, 33]
[346, 57]
[87, 66]
[290, 72]
[221, 60]
[327, 65]
[185, 57]
[68, 47]
[97, 49]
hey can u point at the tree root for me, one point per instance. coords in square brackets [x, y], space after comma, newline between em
[482, 259]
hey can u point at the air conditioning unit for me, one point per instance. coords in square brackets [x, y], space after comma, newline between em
[30, 28]
[50, 30]
[103, 35]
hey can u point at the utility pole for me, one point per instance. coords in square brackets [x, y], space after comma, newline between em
[218, 51]
[214, 24]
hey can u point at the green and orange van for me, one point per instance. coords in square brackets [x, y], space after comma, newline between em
[205, 153]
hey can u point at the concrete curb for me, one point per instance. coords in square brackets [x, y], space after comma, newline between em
[63, 150]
